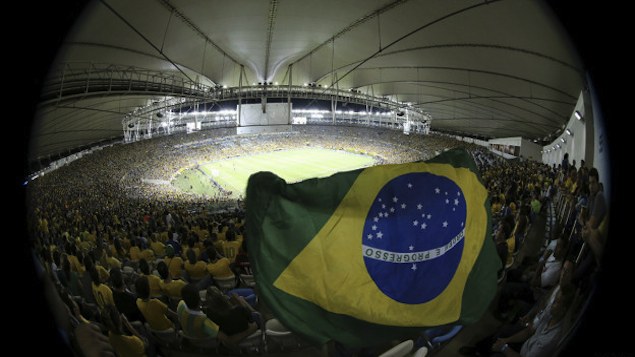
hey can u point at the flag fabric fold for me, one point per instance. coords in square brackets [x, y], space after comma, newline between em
[372, 254]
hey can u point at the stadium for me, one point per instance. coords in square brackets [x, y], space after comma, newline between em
[156, 117]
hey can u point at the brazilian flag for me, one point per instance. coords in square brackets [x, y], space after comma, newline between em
[373, 254]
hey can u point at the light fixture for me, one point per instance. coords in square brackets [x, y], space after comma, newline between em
[578, 114]
[563, 140]
[569, 131]
[558, 146]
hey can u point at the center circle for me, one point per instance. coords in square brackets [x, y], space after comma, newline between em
[413, 236]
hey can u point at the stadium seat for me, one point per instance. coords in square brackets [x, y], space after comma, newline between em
[400, 350]
[165, 338]
[279, 334]
[248, 280]
[203, 345]
[226, 283]
[248, 294]
[436, 341]
[433, 338]
[421, 352]
[254, 342]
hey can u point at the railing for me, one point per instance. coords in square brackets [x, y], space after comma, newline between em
[74, 81]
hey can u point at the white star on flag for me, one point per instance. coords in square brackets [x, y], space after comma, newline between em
[445, 224]
[414, 267]
[379, 235]
[403, 206]
[415, 223]
[456, 201]
[376, 219]
[446, 193]
[370, 236]
[380, 214]
[383, 206]
[395, 199]
[437, 190]
[419, 206]
[423, 226]
[409, 185]
[374, 227]
[429, 216]
[447, 201]
[411, 248]
[392, 209]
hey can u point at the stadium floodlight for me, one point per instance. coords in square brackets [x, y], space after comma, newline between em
[569, 132]
[578, 115]
[275, 83]
[563, 140]
[225, 86]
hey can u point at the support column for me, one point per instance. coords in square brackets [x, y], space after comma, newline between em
[240, 92]
[290, 119]
[334, 98]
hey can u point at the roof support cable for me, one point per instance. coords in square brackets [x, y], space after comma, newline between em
[144, 38]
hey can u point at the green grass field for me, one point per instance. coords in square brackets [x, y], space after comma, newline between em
[292, 165]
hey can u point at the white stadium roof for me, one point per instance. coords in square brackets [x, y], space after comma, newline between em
[484, 68]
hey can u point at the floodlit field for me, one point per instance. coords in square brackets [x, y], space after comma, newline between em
[292, 165]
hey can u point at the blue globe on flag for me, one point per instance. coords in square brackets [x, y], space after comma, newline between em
[413, 236]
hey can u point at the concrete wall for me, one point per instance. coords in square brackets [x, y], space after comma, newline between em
[600, 152]
[530, 150]
[588, 139]
[513, 141]
[575, 144]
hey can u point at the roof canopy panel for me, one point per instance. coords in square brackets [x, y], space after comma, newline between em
[490, 68]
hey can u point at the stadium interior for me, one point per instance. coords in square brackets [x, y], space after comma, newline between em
[155, 113]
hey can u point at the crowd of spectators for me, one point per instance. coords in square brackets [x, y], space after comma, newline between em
[94, 219]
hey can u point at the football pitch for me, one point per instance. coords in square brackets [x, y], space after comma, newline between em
[294, 165]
